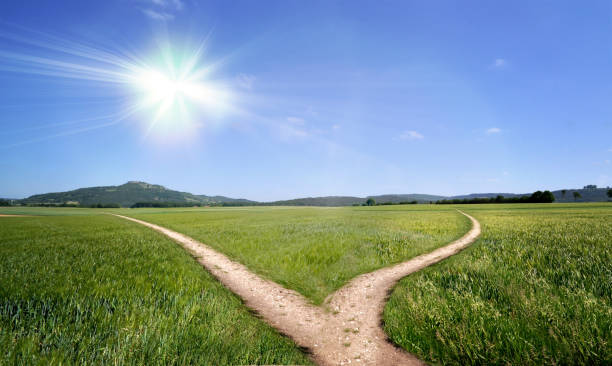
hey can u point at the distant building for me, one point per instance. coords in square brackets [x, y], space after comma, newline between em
[590, 186]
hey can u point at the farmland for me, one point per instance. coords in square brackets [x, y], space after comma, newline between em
[535, 288]
[98, 290]
[315, 251]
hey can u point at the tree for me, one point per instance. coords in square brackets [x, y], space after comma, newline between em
[536, 196]
[563, 192]
[577, 195]
[547, 197]
[370, 202]
[609, 192]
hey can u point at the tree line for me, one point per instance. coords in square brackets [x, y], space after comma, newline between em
[372, 202]
[535, 197]
[165, 204]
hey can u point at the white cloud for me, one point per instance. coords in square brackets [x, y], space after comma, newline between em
[289, 131]
[499, 63]
[411, 135]
[493, 130]
[162, 10]
[158, 15]
[245, 81]
[336, 127]
[176, 4]
[295, 120]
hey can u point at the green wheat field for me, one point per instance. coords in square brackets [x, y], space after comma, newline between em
[78, 286]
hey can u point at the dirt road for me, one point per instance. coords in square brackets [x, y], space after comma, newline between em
[346, 329]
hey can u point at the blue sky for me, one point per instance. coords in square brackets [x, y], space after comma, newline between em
[306, 98]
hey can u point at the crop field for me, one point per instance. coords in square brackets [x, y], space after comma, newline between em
[100, 290]
[535, 289]
[317, 250]
[82, 287]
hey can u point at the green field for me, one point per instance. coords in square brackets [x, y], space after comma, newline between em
[101, 290]
[317, 250]
[535, 289]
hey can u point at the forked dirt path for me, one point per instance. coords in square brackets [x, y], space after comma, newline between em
[347, 328]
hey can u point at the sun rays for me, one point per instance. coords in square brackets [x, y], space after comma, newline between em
[170, 94]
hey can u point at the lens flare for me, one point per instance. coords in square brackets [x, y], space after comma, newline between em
[172, 95]
[180, 98]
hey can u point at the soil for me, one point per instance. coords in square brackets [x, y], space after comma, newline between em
[346, 329]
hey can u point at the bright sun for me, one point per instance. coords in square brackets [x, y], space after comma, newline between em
[180, 98]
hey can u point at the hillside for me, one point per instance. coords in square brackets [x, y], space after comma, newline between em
[397, 198]
[125, 195]
[487, 195]
[132, 192]
[319, 201]
[587, 195]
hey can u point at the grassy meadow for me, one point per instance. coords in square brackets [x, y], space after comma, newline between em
[535, 289]
[100, 290]
[81, 287]
[317, 250]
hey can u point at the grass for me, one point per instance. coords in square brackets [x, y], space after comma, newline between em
[99, 290]
[317, 250]
[535, 289]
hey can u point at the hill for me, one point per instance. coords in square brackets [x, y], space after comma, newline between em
[587, 195]
[126, 195]
[397, 198]
[487, 195]
[319, 201]
[133, 192]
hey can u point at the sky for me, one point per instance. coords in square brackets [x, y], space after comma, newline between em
[271, 100]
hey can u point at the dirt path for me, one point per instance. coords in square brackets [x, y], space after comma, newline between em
[346, 329]
[3, 215]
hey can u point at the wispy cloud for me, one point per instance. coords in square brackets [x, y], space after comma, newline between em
[158, 15]
[499, 63]
[162, 10]
[288, 131]
[176, 4]
[295, 120]
[493, 130]
[245, 81]
[411, 135]
[336, 127]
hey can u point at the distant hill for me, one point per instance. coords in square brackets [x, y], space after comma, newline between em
[125, 195]
[319, 201]
[223, 199]
[588, 195]
[487, 195]
[134, 192]
[397, 198]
